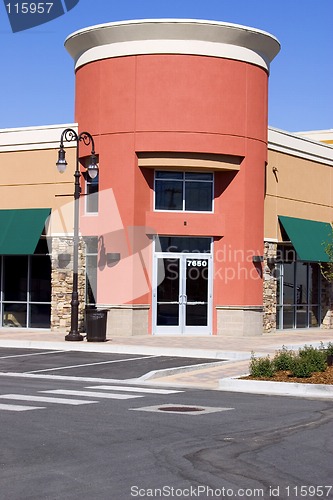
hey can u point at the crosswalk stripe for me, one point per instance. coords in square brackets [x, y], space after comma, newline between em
[133, 389]
[20, 408]
[91, 394]
[43, 399]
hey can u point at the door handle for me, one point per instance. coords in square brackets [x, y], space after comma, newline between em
[182, 299]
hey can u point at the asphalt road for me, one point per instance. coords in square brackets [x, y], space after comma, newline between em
[89, 364]
[87, 444]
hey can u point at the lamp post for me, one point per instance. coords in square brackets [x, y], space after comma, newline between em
[70, 135]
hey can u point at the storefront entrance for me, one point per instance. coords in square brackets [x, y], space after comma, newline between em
[182, 292]
[25, 286]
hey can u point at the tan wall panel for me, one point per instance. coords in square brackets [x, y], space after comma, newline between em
[43, 196]
[290, 208]
[35, 167]
[31, 180]
[298, 179]
[298, 188]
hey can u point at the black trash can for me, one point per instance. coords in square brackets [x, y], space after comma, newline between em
[96, 324]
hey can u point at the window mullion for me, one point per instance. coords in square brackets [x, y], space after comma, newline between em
[1, 290]
[28, 291]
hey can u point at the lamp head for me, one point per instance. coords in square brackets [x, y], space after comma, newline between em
[61, 163]
[93, 167]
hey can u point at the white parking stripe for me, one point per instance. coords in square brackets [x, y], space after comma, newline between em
[91, 394]
[31, 354]
[43, 399]
[133, 389]
[20, 408]
[91, 364]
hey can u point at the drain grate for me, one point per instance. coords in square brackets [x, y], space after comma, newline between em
[182, 409]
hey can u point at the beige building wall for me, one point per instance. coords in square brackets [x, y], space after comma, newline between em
[299, 181]
[29, 177]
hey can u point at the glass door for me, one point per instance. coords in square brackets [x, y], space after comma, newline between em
[196, 297]
[168, 294]
[182, 294]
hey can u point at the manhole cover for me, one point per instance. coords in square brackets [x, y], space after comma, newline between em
[180, 409]
[186, 409]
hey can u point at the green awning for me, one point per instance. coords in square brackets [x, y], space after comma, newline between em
[20, 230]
[308, 237]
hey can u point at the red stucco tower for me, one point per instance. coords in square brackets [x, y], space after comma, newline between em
[178, 110]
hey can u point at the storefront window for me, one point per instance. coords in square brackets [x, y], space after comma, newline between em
[298, 292]
[26, 289]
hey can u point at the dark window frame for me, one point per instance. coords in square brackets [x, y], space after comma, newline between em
[181, 182]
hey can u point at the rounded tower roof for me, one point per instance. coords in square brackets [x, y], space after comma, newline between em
[172, 36]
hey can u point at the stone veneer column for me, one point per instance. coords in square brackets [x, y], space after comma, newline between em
[62, 282]
[269, 288]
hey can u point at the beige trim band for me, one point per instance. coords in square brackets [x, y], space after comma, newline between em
[189, 161]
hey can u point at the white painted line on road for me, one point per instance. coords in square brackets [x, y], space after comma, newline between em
[32, 354]
[91, 394]
[43, 399]
[90, 380]
[133, 389]
[20, 408]
[91, 364]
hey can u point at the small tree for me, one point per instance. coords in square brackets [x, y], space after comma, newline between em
[327, 267]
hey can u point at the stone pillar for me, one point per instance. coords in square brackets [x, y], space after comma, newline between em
[62, 282]
[269, 287]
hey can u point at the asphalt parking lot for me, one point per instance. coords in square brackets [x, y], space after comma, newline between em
[89, 364]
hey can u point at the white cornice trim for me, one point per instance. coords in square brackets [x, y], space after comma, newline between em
[31, 138]
[292, 144]
[172, 36]
[318, 135]
[271, 240]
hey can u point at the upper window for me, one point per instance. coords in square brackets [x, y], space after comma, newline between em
[91, 188]
[183, 191]
[91, 192]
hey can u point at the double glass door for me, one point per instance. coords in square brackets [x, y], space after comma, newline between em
[182, 294]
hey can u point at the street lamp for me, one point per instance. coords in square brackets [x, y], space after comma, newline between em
[70, 135]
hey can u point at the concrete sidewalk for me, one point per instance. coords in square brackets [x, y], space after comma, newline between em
[236, 350]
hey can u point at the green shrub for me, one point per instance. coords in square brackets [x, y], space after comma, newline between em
[301, 368]
[314, 358]
[283, 359]
[261, 367]
[328, 350]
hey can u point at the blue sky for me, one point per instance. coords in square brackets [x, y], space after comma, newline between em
[37, 76]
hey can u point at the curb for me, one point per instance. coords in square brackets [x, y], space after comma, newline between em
[156, 374]
[109, 347]
[322, 391]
